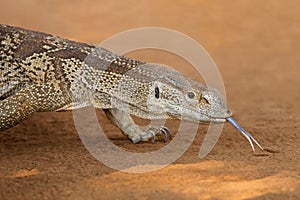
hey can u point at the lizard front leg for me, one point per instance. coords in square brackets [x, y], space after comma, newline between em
[33, 98]
[127, 125]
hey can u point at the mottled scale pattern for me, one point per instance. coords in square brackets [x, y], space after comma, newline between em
[42, 72]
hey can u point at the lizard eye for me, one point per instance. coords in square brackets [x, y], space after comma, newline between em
[156, 90]
[191, 95]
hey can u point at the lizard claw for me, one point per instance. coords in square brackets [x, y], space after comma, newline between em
[136, 140]
[167, 133]
[161, 130]
[151, 134]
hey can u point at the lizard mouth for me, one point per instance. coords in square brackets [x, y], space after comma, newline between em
[219, 119]
[216, 120]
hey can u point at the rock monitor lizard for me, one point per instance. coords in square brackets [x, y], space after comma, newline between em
[41, 72]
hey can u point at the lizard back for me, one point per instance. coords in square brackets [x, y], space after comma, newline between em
[30, 57]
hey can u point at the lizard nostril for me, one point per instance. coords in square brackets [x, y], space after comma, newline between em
[204, 100]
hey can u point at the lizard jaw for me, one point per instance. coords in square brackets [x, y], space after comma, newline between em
[217, 120]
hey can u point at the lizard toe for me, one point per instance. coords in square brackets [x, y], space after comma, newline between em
[166, 132]
[136, 140]
[162, 130]
[151, 133]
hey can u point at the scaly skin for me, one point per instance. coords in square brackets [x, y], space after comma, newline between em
[41, 72]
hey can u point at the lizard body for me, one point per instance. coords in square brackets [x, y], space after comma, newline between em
[41, 72]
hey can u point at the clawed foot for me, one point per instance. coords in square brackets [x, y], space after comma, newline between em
[125, 122]
[151, 133]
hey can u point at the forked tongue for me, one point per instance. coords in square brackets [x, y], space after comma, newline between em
[249, 137]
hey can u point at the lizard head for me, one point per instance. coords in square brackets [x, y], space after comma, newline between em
[178, 97]
[154, 91]
[193, 102]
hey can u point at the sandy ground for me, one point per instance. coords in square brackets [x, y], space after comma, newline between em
[256, 46]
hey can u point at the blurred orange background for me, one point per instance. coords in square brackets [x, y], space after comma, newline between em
[256, 46]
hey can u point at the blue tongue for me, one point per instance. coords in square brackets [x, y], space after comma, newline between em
[249, 137]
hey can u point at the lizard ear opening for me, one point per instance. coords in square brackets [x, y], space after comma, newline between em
[156, 90]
